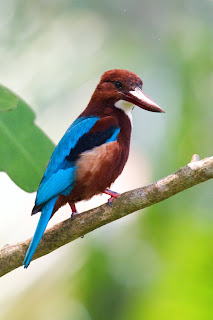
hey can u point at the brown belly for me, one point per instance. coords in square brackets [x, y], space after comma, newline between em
[96, 171]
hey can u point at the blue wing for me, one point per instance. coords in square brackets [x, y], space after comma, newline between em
[58, 177]
[84, 134]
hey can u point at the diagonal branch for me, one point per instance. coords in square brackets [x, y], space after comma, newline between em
[195, 172]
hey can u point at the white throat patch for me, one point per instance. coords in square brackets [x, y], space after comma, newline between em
[126, 107]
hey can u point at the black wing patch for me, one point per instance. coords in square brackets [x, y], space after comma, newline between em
[89, 141]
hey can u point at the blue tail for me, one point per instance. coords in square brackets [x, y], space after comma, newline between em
[43, 221]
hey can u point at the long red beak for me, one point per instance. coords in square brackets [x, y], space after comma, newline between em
[141, 100]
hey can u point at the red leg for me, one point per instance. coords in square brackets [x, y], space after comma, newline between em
[113, 195]
[74, 211]
[73, 208]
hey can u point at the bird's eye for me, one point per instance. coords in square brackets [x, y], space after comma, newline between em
[118, 84]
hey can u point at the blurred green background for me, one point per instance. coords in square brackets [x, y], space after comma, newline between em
[154, 265]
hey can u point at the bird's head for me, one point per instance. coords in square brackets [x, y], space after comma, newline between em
[124, 89]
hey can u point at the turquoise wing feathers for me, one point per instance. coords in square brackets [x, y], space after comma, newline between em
[59, 176]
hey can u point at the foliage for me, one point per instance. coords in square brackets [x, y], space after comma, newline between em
[25, 149]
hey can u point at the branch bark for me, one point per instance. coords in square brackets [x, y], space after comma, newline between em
[197, 171]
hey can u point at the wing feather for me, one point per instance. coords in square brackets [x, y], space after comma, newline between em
[58, 183]
[84, 134]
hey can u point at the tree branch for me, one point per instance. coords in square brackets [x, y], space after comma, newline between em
[197, 171]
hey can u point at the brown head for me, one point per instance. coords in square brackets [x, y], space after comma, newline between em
[121, 89]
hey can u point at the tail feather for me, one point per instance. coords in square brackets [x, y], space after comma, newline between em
[43, 221]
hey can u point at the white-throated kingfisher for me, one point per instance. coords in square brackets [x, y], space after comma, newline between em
[93, 151]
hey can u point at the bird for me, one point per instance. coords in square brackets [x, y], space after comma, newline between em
[93, 151]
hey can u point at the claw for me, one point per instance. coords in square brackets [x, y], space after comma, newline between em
[113, 195]
[110, 201]
[74, 213]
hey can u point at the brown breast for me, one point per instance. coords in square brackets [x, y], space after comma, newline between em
[97, 169]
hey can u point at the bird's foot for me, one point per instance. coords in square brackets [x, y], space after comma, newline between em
[113, 195]
[74, 213]
[74, 210]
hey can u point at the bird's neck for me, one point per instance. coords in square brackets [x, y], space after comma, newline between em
[103, 108]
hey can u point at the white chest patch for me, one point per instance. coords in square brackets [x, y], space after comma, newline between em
[126, 107]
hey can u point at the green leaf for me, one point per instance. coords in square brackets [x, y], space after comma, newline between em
[8, 100]
[24, 148]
